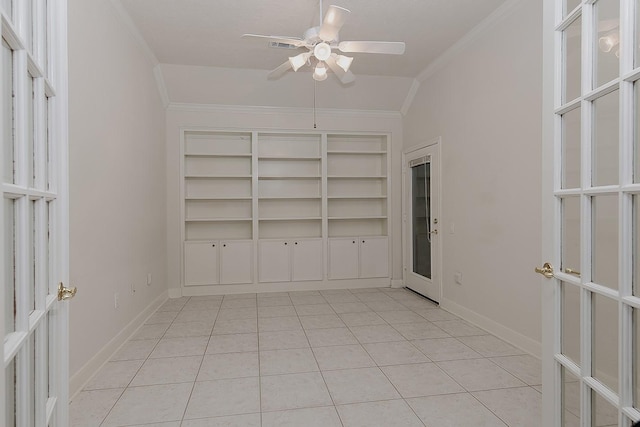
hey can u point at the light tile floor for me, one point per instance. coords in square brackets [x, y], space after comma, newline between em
[344, 358]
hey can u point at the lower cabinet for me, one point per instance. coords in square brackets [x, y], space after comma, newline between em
[218, 262]
[290, 260]
[358, 257]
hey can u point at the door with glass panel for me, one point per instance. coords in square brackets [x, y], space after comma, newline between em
[591, 238]
[421, 220]
[33, 248]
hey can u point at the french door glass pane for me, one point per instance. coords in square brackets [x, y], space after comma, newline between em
[571, 321]
[606, 140]
[570, 234]
[607, 41]
[603, 414]
[571, 149]
[636, 149]
[605, 341]
[10, 398]
[421, 205]
[569, 5]
[636, 245]
[570, 399]
[7, 114]
[30, 131]
[47, 147]
[32, 255]
[32, 379]
[572, 39]
[6, 6]
[636, 358]
[10, 279]
[605, 241]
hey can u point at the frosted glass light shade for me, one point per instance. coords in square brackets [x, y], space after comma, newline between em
[322, 51]
[299, 60]
[320, 73]
[344, 62]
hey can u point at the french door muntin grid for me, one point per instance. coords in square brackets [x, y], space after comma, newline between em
[628, 76]
[29, 386]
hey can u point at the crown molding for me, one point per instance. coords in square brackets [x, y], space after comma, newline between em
[496, 16]
[126, 19]
[265, 110]
[408, 100]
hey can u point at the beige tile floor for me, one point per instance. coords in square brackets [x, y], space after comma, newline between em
[349, 358]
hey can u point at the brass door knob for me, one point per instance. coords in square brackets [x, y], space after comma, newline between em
[66, 293]
[546, 270]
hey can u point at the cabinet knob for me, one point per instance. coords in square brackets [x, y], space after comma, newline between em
[213, 246]
[224, 246]
[363, 241]
[353, 241]
[296, 243]
[285, 243]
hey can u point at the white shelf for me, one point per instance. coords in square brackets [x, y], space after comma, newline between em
[287, 177]
[217, 155]
[217, 176]
[290, 198]
[355, 197]
[217, 219]
[355, 152]
[313, 218]
[357, 177]
[343, 218]
[206, 198]
[293, 158]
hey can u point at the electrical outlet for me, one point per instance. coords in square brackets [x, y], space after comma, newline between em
[116, 302]
[148, 279]
[458, 277]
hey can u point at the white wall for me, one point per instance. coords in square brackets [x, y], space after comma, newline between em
[486, 103]
[232, 86]
[117, 180]
[243, 118]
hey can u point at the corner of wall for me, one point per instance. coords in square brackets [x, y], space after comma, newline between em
[413, 90]
[162, 87]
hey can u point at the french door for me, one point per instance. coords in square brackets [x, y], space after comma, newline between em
[591, 241]
[34, 244]
[421, 221]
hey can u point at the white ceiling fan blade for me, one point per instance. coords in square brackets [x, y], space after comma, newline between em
[279, 71]
[392, 48]
[333, 21]
[345, 77]
[280, 39]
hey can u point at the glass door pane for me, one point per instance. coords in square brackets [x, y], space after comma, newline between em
[421, 218]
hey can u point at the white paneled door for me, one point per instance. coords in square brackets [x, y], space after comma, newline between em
[34, 215]
[591, 206]
[421, 217]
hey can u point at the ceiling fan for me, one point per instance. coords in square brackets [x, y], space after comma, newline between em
[322, 42]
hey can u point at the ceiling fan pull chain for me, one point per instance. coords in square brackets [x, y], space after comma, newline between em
[314, 104]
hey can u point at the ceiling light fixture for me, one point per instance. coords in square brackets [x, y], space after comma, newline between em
[344, 62]
[322, 51]
[299, 60]
[320, 72]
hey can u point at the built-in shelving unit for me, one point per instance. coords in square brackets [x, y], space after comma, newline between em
[309, 206]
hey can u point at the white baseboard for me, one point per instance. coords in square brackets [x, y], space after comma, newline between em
[175, 292]
[397, 283]
[84, 375]
[515, 338]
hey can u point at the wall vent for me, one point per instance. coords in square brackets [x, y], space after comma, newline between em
[278, 45]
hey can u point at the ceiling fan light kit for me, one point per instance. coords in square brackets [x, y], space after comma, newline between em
[322, 41]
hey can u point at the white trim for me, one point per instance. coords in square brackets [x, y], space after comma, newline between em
[509, 335]
[468, 39]
[248, 109]
[408, 100]
[162, 87]
[397, 283]
[175, 292]
[86, 373]
[133, 29]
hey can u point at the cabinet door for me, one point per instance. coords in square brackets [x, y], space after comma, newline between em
[374, 257]
[273, 261]
[200, 263]
[343, 258]
[307, 260]
[236, 262]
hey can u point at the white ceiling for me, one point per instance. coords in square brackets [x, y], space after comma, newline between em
[207, 32]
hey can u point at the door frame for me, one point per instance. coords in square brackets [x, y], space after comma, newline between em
[435, 143]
